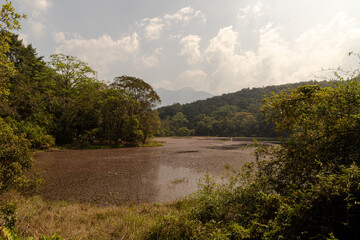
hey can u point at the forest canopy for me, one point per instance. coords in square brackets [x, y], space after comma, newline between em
[229, 115]
[61, 101]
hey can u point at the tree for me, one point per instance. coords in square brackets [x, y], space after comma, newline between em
[117, 116]
[244, 124]
[72, 73]
[9, 21]
[73, 76]
[32, 87]
[140, 91]
[323, 125]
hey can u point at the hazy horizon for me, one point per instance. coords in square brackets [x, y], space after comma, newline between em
[211, 46]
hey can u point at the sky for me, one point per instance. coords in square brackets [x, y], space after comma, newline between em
[209, 45]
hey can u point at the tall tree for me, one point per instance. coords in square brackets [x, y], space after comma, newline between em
[139, 91]
[73, 76]
[31, 89]
[147, 97]
[9, 21]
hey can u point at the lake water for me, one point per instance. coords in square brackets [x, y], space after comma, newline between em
[157, 174]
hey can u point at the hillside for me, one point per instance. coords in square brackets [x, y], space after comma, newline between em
[232, 114]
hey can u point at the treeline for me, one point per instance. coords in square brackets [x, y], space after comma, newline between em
[63, 101]
[233, 114]
[307, 187]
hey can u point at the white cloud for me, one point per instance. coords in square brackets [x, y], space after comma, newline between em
[153, 27]
[37, 27]
[250, 11]
[100, 52]
[184, 15]
[191, 49]
[257, 9]
[166, 84]
[278, 60]
[148, 61]
[59, 37]
[197, 79]
[36, 6]
[243, 12]
[222, 46]
[24, 38]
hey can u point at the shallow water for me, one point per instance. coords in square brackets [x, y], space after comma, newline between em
[115, 176]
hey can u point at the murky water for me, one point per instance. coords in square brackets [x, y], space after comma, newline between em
[115, 176]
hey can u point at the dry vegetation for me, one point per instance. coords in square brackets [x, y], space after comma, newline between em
[38, 217]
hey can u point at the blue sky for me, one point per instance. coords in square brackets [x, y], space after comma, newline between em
[214, 46]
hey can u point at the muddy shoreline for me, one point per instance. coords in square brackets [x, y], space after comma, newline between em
[157, 174]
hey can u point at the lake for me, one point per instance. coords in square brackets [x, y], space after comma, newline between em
[156, 174]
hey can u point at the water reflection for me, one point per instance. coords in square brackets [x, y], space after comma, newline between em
[176, 182]
[115, 176]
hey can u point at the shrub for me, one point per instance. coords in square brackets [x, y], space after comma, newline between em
[15, 159]
[37, 135]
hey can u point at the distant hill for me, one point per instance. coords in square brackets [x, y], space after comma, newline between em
[182, 96]
[232, 114]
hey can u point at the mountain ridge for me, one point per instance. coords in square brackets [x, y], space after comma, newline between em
[183, 96]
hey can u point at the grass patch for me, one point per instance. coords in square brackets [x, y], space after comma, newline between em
[37, 217]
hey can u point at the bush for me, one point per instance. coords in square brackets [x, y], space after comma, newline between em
[15, 160]
[306, 188]
[37, 135]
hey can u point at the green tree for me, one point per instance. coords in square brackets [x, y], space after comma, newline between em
[203, 125]
[32, 88]
[138, 90]
[15, 159]
[323, 125]
[142, 92]
[117, 119]
[73, 76]
[9, 21]
[244, 124]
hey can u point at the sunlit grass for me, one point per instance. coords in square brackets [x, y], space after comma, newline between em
[37, 217]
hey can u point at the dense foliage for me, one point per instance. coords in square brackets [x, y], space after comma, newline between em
[234, 114]
[308, 187]
[61, 101]
[64, 99]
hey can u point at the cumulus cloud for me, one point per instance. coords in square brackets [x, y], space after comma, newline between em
[250, 11]
[191, 49]
[99, 52]
[166, 84]
[36, 8]
[153, 27]
[222, 46]
[184, 15]
[277, 59]
[197, 79]
[148, 61]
